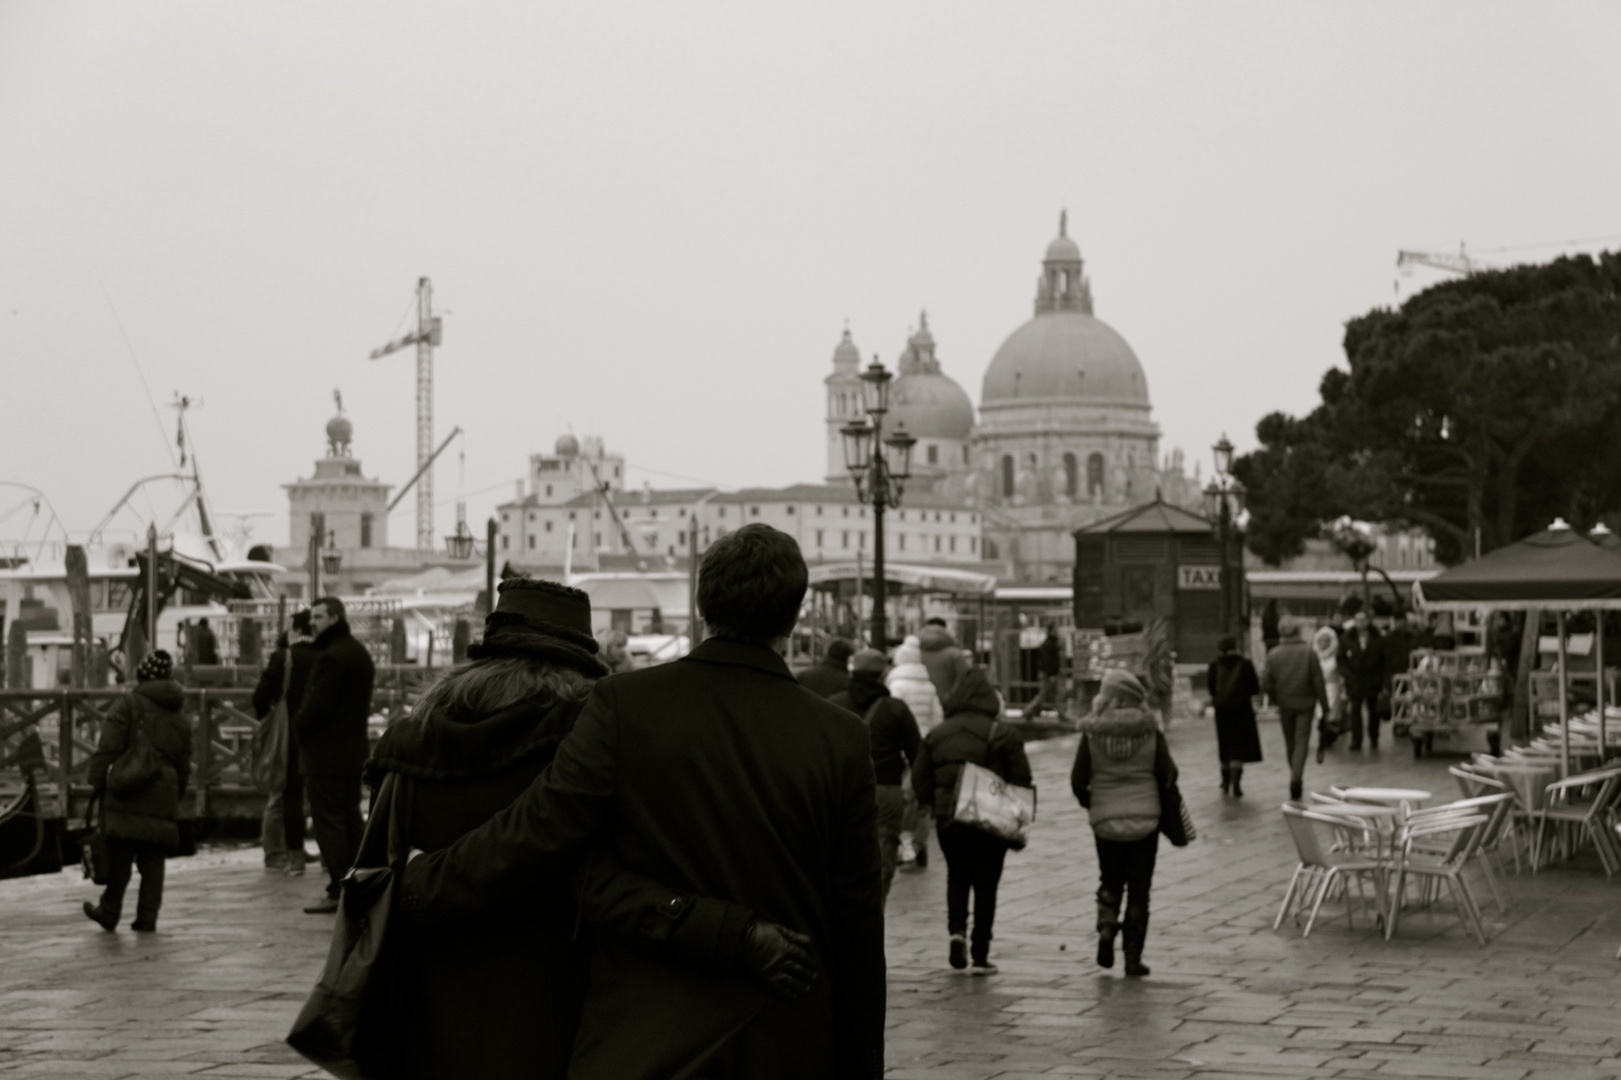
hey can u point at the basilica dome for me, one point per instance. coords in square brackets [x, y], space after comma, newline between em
[927, 401]
[1065, 354]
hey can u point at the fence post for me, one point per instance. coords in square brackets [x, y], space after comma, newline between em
[204, 743]
[64, 754]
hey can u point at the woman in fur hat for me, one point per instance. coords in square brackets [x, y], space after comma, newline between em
[501, 997]
[1122, 764]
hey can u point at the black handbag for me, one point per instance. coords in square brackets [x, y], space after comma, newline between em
[94, 857]
[139, 766]
[1174, 820]
[341, 1025]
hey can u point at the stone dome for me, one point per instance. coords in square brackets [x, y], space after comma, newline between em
[846, 356]
[340, 431]
[1065, 354]
[567, 446]
[1063, 249]
[931, 405]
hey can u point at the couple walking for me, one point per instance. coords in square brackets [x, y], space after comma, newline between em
[667, 872]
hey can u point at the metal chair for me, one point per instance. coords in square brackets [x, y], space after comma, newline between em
[1590, 815]
[1497, 808]
[1446, 866]
[1321, 866]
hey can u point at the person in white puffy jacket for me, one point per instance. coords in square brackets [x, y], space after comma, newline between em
[909, 680]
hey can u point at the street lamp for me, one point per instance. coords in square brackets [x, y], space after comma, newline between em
[324, 556]
[880, 467]
[1223, 503]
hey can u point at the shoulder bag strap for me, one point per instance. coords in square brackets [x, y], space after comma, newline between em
[872, 711]
[287, 678]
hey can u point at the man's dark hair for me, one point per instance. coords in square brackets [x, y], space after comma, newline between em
[301, 621]
[1227, 644]
[751, 583]
[840, 650]
[935, 621]
[334, 608]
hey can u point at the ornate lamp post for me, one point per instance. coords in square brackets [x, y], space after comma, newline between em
[1224, 502]
[880, 467]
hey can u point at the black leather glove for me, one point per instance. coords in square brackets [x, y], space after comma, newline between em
[778, 957]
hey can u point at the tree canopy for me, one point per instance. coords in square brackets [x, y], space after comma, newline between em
[1482, 407]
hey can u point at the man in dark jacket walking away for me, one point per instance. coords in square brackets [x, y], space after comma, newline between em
[138, 812]
[330, 730]
[893, 731]
[1362, 664]
[974, 858]
[1049, 663]
[717, 775]
[831, 674]
[1294, 682]
[282, 828]
[944, 658]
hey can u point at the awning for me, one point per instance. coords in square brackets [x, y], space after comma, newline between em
[1556, 569]
[926, 579]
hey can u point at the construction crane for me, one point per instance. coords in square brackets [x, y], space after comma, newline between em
[1462, 263]
[427, 334]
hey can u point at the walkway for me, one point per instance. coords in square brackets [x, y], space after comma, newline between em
[214, 991]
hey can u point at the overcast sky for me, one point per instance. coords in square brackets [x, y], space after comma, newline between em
[650, 221]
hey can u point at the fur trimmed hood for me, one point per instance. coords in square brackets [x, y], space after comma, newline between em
[438, 748]
[1119, 733]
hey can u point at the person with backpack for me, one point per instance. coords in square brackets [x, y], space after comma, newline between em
[893, 733]
[971, 733]
[1121, 767]
[139, 773]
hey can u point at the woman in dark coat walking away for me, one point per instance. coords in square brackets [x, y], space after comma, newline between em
[974, 858]
[1233, 685]
[501, 997]
[140, 825]
[1120, 768]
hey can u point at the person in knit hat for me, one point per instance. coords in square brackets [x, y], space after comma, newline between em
[1121, 765]
[138, 819]
[893, 732]
[501, 998]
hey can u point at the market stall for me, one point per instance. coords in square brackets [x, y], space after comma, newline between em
[1556, 569]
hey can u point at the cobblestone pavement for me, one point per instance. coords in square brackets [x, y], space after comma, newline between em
[213, 992]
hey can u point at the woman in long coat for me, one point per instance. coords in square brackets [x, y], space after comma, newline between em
[1233, 685]
[140, 825]
[500, 998]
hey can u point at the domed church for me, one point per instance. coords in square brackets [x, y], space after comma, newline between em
[1065, 434]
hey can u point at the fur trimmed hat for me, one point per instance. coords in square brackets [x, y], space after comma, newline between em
[541, 619]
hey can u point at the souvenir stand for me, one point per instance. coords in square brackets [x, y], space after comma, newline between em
[1555, 569]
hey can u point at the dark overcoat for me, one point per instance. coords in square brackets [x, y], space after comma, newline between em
[330, 724]
[267, 691]
[721, 776]
[147, 817]
[1233, 685]
[825, 677]
[1362, 666]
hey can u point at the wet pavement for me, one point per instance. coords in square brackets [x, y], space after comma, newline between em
[214, 991]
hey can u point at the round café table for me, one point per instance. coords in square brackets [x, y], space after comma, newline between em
[1387, 796]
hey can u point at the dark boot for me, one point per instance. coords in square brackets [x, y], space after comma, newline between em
[1238, 781]
[1108, 926]
[1226, 779]
[1295, 790]
[1135, 934]
[107, 921]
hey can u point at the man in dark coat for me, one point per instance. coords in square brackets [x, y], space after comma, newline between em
[1294, 682]
[1362, 665]
[139, 825]
[208, 648]
[720, 776]
[330, 730]
[1049, 663]
[282, 833]
[831, 674]
[893, 731]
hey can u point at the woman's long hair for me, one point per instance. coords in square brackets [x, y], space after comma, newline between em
[479, 688]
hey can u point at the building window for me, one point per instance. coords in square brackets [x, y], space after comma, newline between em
[720, 511]
[1007, 476]
[531, 519]
[365, 530]
[818, 511]
[681, 538]
[596, 538]
[845, 538]
[505, 541]
[818, 537]
[790, 509]
[754, 511]
[681, 512]
[1072, 478]
[990, 547]
[503, 517]
[1094, 475]
[953, 543]
[934, 454]
[548, 491]
[846, 511]
[936, 543]
[548, 524]
[571, 515]
[954, 519]
[965, 455]
[531, 541]
[574, 541]
[900, 538]
[653, 512]
[861, 540]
